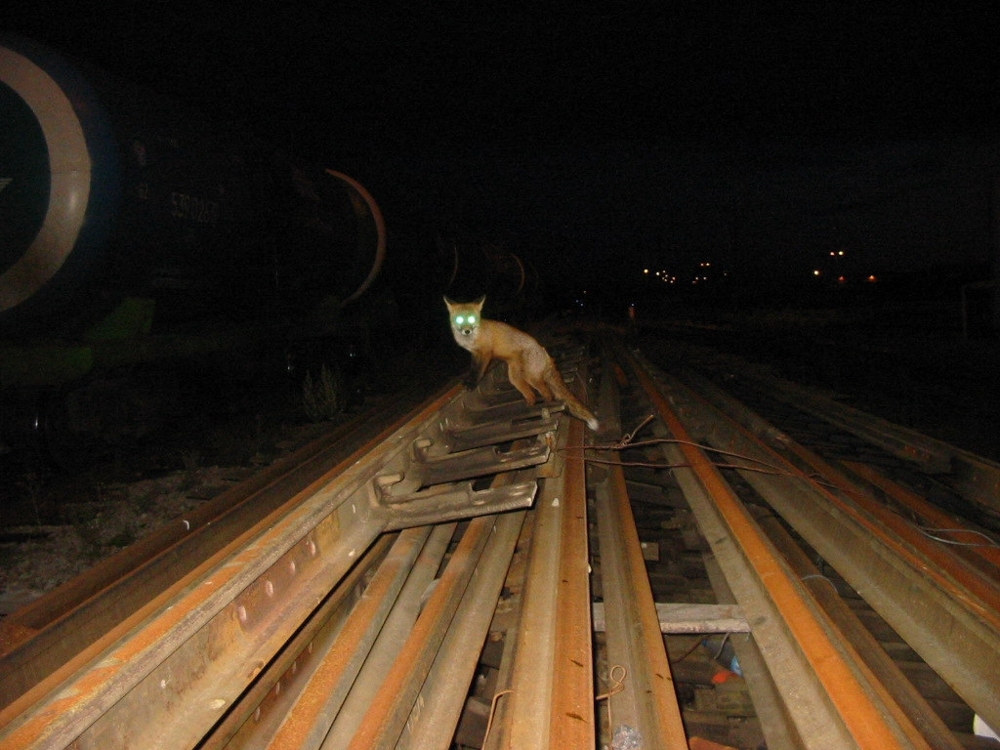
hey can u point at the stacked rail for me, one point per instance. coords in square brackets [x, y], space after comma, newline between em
[482, 575]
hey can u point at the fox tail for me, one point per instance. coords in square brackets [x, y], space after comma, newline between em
[576, 408]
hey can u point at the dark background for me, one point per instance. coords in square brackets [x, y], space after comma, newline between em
[599, 142]
[596, 143]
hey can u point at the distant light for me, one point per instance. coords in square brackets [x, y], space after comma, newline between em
[840, 252]
[817, 272]
[841, 280]
[645, 270]
[871, 279]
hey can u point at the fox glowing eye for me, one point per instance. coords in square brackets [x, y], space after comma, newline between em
[472, 318]
[460, 319]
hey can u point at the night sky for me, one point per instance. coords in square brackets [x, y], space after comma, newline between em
[755, 135]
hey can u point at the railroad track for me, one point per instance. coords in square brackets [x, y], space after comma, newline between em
[478, 573]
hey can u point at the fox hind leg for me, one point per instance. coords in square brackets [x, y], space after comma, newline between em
[515, 373]
[542, 387]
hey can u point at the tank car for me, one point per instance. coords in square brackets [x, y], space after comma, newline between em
[132, 230]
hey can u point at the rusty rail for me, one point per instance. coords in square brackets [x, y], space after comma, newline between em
[641, 695]
[438, 585]
[827, 691]
[945, 609]
[55, 628]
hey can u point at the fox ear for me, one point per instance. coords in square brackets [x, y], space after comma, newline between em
[479, 302]
[448, 302]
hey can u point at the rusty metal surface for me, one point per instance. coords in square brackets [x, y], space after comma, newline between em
[271, 694]
[677, 618]
[867, 647]
[965, 541]
[185, 653]
[443, 696]
[359, 611]
[641, 700]
[978, 477]
[77, 614]
[548, 700]
[308, 720]
[391, 706]
[828, 694]
[951, 624]
[572, 701]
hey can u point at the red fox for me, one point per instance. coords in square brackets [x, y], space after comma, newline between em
[529, 366]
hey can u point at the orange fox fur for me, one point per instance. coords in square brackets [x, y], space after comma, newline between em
[529, 366]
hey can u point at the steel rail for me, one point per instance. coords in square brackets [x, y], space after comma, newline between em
[308, 717]
[443, 696]
[572, 703]
[424, 688]
[972, 544]
[952, 629]
[343, 719]
[60, 625]
[641, 701]
[258, 713]
[54, 605]
[319, 627]
[421, 688]
[976, 477]
[391, 706]
[825, 688]
[645, 708]
[902, 690]
[545, 696]
[961, 580]
[780, 732]
[186, 664]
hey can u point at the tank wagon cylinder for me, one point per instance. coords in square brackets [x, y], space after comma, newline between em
[110, 193]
